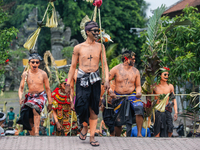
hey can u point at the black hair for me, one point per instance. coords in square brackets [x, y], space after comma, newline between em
[1, 115]
[128, 54]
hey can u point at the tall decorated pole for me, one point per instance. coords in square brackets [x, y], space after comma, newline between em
[97, 4]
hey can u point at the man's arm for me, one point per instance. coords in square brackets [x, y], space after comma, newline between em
[47, 87]
[72, 69]
[112, 75]
[59, 127]
[103, 61]
[72, 94]
[48, 91]
[138, 85]
[21, 88]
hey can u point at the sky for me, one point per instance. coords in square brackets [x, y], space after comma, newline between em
[157, 3]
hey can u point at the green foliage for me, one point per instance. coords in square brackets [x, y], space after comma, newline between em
[184, 48]
[6, 35]
[67, 52]
[153, 26]
[110, 52]
[72, 12]
[114, 62]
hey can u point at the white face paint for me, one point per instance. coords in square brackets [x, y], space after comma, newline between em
[165, 76]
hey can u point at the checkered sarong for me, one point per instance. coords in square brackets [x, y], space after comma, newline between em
[36, 101]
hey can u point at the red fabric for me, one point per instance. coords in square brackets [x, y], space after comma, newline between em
[166, 68]
[7, 60]
[53, 123]
[65, 110]
[36, 99]
[62, 96]
[125, 58]
[97, 3]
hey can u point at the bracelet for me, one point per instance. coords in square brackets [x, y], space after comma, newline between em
[57, 122]
[67, 84]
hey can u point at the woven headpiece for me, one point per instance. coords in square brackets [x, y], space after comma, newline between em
[35, 56]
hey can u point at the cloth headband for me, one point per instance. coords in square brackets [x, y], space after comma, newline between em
[4, 117]
[35, 56]
[91, 25]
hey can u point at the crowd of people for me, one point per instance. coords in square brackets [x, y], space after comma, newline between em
[81, 116]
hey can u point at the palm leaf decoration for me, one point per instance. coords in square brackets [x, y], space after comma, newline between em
[153, 25]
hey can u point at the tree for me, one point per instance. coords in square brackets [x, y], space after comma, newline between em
[184, 49]
[6, 36]
[117, 19]
[179, 48]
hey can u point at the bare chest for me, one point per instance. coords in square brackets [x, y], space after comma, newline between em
[126, 77]
[36, 79]
[89, 55]
[159, 89]
[89, 58]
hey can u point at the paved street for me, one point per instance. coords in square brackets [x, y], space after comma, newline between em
[106, 143]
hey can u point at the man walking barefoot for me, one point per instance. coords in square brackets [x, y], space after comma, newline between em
[36, 98]
[127, 80]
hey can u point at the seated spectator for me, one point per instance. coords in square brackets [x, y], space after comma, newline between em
[2, 119]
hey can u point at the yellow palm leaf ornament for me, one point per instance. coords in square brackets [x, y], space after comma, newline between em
[51, 22]
[161, 106]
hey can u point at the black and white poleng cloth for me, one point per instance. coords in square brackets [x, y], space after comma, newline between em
[88, 77]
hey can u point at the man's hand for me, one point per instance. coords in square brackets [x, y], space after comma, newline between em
[138, 95]
[49, 107]
[59, 127]
[175, 116]
[67, 89]
[21, 101]
[72, 106]
[112, 94]
[106, 85]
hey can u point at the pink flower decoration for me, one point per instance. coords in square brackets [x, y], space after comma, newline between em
[97, 3]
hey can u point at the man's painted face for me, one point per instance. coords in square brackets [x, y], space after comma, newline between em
[34, 63]
[63, 85]
[93, 33]
[165, 76]
[131, 61]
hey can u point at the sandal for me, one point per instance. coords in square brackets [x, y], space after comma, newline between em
[93, 143]
[84, 135]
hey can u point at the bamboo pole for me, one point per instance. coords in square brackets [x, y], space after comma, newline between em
[103, 65]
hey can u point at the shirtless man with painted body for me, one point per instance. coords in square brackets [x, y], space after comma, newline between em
[164, 88]
[127, 80]
[36, 80]
[88, 54]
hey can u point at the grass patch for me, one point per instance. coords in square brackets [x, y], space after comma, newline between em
[10, 94]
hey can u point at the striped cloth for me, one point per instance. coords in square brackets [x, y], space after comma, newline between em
[36, 101]
[132, 99]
